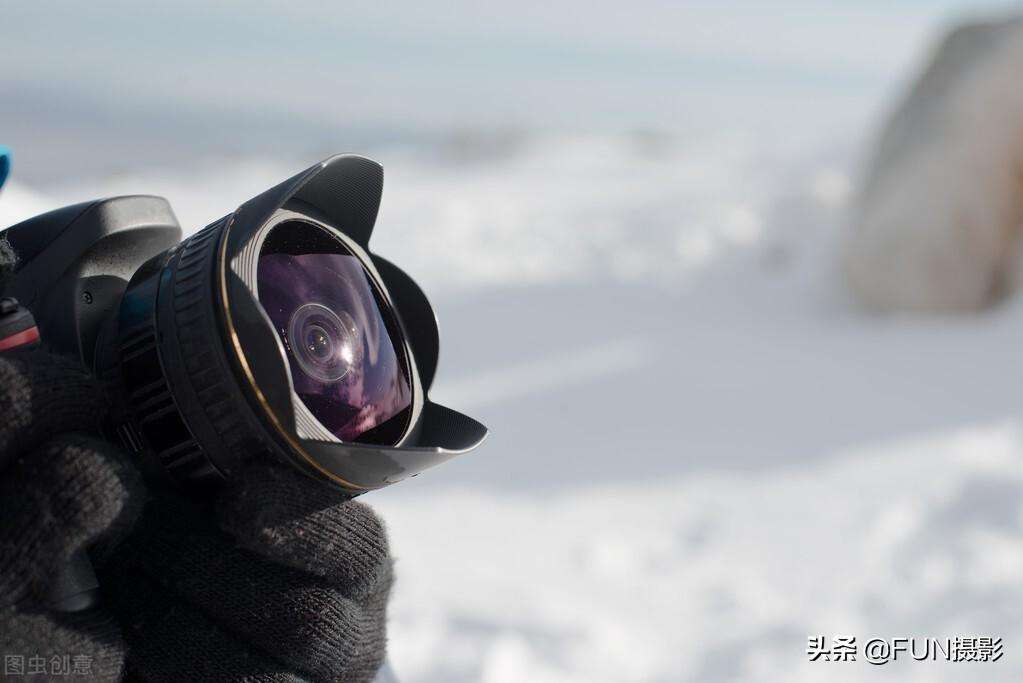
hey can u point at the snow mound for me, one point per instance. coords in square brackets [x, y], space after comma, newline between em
[718, 577]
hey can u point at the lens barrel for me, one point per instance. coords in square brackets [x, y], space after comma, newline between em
[211, 375]
[184, 410]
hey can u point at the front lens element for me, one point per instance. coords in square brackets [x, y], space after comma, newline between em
[325, 344]
[344, 345]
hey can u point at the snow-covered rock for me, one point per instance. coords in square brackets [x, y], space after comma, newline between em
[938, 217]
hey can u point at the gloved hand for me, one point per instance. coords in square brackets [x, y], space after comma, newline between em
[62, 489]
[278, 579]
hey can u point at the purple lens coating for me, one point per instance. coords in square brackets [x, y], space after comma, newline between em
[347, 363]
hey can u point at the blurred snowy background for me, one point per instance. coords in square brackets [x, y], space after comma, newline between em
[702, 451]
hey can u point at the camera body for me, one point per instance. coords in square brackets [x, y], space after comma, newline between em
[205, 371]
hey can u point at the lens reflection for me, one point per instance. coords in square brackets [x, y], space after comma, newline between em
[325, 344]
[346, 360]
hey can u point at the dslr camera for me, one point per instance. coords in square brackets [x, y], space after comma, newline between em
[273, 332]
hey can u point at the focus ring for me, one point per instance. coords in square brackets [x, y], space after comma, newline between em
[194, 358]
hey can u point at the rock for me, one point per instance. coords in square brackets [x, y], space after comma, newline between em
[938, 218]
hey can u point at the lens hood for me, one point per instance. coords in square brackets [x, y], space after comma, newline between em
[205, 373]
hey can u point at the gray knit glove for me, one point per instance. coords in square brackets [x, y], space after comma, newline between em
[279, 578]
[62, 490]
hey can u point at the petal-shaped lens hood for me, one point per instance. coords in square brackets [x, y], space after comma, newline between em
[343, 194]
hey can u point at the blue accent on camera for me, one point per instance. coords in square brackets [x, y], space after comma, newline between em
[5, 163]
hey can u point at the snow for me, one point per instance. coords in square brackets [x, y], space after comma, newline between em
[697, 464]
[717, 577]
